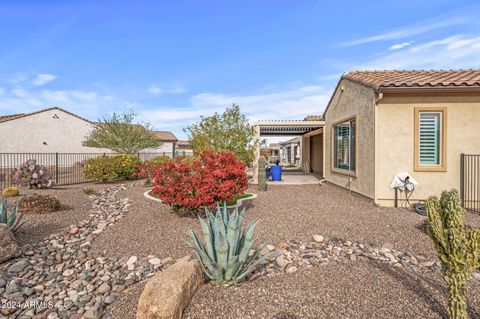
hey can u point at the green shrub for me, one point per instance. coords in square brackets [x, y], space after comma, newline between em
[158, 160]
[11, 192]
[109, 168]
[125, 165]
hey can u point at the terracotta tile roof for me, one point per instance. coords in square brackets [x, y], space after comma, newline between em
[4, 118]
[313, 118]
[415, 78]
[184, 145]
[166, 136]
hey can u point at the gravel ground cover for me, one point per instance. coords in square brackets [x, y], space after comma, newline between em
[75, 207]
[336, 290]
[286, 213]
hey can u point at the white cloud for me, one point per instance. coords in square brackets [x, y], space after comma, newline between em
[291, 104]
[85, 103]
[19, 92]
[158, 90]
[409, 31]
[43, 78]
[399, 46]
[454, 52]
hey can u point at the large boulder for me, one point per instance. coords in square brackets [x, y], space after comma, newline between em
[8, 246]
[169, 292]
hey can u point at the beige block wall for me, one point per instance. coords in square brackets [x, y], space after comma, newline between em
[354, 100]
[395, 141]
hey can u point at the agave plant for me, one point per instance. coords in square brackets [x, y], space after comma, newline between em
[13, 220]
[225, 257]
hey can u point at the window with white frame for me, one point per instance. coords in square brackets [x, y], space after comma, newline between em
[429, 144]
[345, 145]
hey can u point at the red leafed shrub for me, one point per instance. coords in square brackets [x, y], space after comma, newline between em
[190, 186]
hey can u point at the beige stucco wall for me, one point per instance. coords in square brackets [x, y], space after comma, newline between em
[354, 100]
[28, 134]
[395, 141]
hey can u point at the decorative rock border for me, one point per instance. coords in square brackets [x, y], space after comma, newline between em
[290, 256]
[57, 278]
[239, 201]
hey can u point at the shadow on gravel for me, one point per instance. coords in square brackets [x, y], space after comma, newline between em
[420, 286]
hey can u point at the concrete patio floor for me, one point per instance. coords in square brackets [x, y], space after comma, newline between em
[298, 179]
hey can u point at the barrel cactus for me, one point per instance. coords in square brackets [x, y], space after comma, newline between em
[225, 257]
[12, 219]
[458, 248]
[262, 174]
[10, 192]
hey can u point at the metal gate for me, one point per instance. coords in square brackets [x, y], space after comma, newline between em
[470, 181]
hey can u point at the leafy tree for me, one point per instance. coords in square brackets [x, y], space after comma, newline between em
[120, 134]
[229, 131]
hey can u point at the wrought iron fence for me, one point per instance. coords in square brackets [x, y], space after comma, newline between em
[67, 167]
[470, 181]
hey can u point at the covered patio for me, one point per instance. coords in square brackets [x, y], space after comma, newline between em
[311, 145]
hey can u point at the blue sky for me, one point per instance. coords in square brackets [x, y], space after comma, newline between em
[172, 61]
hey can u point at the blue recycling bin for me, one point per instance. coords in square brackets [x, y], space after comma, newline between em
[276, 173]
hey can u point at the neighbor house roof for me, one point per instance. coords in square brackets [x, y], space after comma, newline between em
[415, 78]
[313, 118]
[166, 136]
[10, 117]
[184, 145]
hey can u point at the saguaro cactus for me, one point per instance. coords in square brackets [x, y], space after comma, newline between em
[262, 174]
[458, 248]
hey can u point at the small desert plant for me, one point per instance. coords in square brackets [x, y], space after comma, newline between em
[225, 257]
[39, 204]
[89, 191]
[458, 248]
[12, 219]
[32, 175]
[109, 168]
[11, 192]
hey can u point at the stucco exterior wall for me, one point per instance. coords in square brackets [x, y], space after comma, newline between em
[354, 100]
[61, 132]
[395, 141]
[166, 147]
[316, 157]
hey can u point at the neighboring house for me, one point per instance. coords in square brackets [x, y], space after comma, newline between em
[45, 131]
[55, 130]
[379, 123]
[184, 148]
[290, 151]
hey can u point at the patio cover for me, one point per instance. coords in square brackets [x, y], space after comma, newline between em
[280, 128]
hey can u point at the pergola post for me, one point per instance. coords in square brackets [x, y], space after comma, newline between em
[256, 151]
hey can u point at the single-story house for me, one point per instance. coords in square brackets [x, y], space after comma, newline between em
[380, 123]
[55, 130]
[183, 148]
[290, 151]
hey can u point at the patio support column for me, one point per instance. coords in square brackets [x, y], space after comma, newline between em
[256, 151]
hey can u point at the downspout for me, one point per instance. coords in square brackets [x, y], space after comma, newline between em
[379, 96]
[173, 149]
